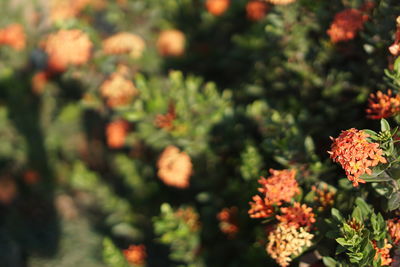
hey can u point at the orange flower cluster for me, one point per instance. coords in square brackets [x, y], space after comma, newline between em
[136, 255]
[382, 105]
[124, 42]
[324, 197]
[355, 154]
[217, 7]
[174, 167]
[228, 221]
[165, 121]
[346, 25]
[190, 217]
[256, 10]
[287, 241]
[280, 187]
[281, 2]
[14, 36]
[39, 81]
[394, 230]
[171, 43]
[297, 215]
[67, 47]
[383, 253]
[394, 49]
[117, 90]
[65, 9]
[116, 132]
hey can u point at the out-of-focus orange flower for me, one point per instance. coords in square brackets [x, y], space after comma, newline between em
[8, 190]
[217, 7]
[256, 10]
[124, 42]
[297, 215]
[383, 253]
[394, 230]
[346, 25]
[67, 47]
[117, 90]
[323, 196]
[171, 43]
[174, 167]
[116, 133]
[280, 187]
[281, 2]
[136, 255]
[287, 241]
[355, 154]
[394, 49]
[189, 217]
[61, 10]
[31, 177]
[165, 121]
[228, 221]
[14, 36]
[39, 81]
[382, 105]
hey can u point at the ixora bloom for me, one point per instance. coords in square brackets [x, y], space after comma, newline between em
[382, 105]
[256, 10]
[117, 90]
[356, 154]
[281, 2]
[323, 196]
[116, 132]
[166, 121]
[171, 43]
[67, 47]
[217, 7]
[280, 187]
[346, 25]
[287, 241]
[124, 43]
[174, 167]
[135, 255]
[394, 230]
[228, 221]
[297, 215]
[13, 35]
[383, 253]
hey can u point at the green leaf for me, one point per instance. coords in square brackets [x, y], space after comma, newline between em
[365, 209]
[372, 134]
[384, 125]
[336, 215]
[394, 201]
[329, 262]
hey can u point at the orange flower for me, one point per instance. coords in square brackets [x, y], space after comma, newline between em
[346, 24]
[67, 47]
[217, 7]
[174, 167]
[355, 154]
[324, 197]
[228, 221]
[280, 187]
[117, 90]
[281, 2]
[287, 241]
[171, 43]
[189, 217]
[166, 121]
[256, 10]
[116, 133]
[394, 49]
[39, 81]
[394, 230]
[297, 215]
[383, 253]
[65, 9]
[124, 42]
[382, 105]
[136, 255]
[14, 36]
[31, 177]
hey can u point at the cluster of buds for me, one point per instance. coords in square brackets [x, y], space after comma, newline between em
[166, 121]
[135, 255]
[381, 105]
[323, 196]
[228, 221]
[346, 24]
